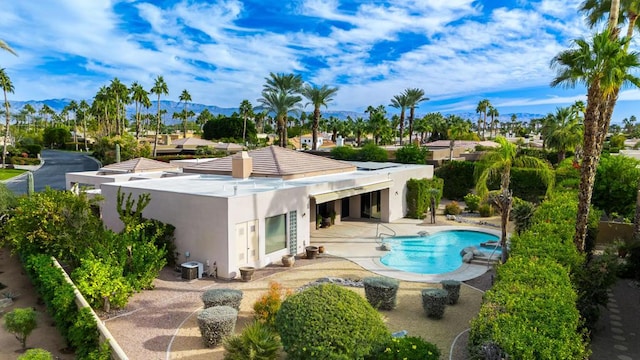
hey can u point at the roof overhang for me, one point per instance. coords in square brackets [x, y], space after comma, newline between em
[352, 191]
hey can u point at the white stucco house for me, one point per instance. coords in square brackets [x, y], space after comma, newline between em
[251, 208]
[308, 141]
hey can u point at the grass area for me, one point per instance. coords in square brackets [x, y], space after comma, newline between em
[6, 174]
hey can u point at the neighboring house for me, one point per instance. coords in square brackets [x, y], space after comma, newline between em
[253, 207]
[307, 141]
[462, 149]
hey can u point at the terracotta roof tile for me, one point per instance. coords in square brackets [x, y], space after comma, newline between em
[138, 165]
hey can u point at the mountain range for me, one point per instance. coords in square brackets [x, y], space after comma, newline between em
[173, 106]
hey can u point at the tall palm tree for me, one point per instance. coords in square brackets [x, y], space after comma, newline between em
[83, 107]
[482, 109]
[246, 111]
[4, 46]
[400, 102]
[493, 112]
[120, 94]
[140, 97]
[281, 104]
[378, 122]
[563, 131]
[603, 65]
[185, 98]
[7, 87]
[282, 89]
[499, 162]
[73, 106]
[159, 88]
[415, 97]
[318, 97]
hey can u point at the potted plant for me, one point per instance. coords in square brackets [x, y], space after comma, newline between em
[318, 221]
[622, 247]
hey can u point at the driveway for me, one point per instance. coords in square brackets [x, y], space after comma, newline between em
[51, 173]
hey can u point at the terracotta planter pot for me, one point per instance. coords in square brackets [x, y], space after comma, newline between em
[246, 272]
[312, 252]
[288, 260]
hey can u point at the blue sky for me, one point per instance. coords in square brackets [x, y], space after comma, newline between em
[458, 51]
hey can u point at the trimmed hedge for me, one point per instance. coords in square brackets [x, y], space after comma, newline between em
[216, 323]
[434, 302]
[328, 321]
[458, 179]
[418, 201]
[222, 297]
[453, 290]
[408, 347]
[381, 292]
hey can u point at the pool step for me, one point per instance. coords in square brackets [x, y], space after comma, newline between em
[485, 261]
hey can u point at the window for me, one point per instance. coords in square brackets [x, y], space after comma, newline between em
[276, 233]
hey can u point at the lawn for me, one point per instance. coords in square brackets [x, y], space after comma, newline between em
[6, 174]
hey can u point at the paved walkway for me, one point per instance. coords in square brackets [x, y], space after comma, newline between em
[616, 337]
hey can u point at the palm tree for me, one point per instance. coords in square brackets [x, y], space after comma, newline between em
[563, 131]
[120, 93]
[499, 162]
[415, 97]
[140, 97]
[281, 104]
[483, 107]
[281, 89]
[159, 88]
[400, 102]
[84, 108]
[318, 97]
[378, 122]
[493, 112]
[30, 111]
[246, 111]
[185, 98]
[603, 65]
[73, 106]
[6, 47]
[459, 130]
[7, 87]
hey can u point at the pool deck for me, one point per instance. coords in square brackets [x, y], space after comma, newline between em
[357, 242]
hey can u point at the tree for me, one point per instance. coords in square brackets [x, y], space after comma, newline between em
[21, 322]
[7, 87]
[482, 109]
[185, 98]
[119, 92]
[401, 102]
[415, 96]
[499, 162]
[603, 65]
[203, 117]
[159, 88]
[279, 95]
[4, 46]
[246, 111]
[493, 112]
[73, 106]
[562, 131]
[318, 97]
[140, 97]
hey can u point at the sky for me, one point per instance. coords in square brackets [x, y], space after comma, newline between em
[458, 51]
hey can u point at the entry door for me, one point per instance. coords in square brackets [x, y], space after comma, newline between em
[247, 242]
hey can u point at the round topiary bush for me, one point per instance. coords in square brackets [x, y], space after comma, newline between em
[381, 292]
[216, 323]
[328, 321]
[434, 302]
[453, 290]
[222, 297]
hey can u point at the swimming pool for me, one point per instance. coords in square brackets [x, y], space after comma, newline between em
[434, 254]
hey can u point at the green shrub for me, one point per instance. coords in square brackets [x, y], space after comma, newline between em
[372, 152]
[418, 196]
[434, 302]
[522, 214]
[452, 208]
[222, 297]
[83, 334]
[257, 342]
[458, 179]
[381, 292]
[412, 154]
[485, 210]
[329, 322]
[216, 323]
[453, 290]
[36, 354]
[21, 322]
[472, 201]
[102, 283]
[343, 153]
[408, 347]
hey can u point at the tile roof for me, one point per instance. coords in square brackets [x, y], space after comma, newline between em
[461, 143]
[275, 161]
[191, 141]
[138, 165]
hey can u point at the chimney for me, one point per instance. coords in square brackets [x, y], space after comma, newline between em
[241, 165]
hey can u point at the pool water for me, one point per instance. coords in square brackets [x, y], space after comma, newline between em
[434, 254]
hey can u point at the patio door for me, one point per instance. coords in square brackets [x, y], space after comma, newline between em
[247, 242]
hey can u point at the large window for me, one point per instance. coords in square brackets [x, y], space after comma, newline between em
[276, 233]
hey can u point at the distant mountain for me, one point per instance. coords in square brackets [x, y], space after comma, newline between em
[173, 106]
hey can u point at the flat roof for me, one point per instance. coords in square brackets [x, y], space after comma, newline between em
[227, 186]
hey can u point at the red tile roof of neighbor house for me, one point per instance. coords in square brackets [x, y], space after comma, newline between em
[278, 162]
[138, 165]
[461, 143]
[191, 141]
